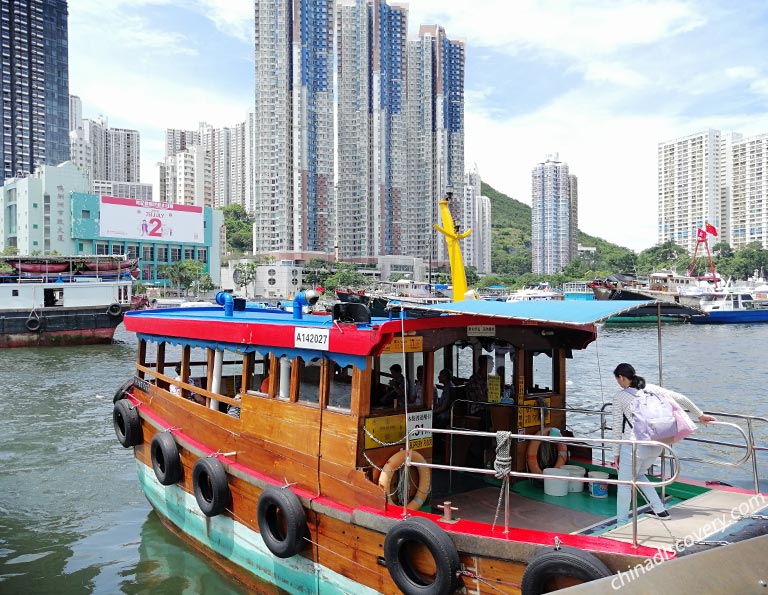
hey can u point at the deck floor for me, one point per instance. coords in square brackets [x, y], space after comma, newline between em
[699, 518]
[525, 513]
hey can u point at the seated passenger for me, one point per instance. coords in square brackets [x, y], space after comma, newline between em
[176, 390]
[442, 410]
[477, 385]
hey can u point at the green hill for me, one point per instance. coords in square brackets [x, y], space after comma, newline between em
[511, 249]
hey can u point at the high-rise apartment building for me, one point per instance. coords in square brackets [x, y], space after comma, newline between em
[185, 178]
[372, 131]
[573, 197]
[35, 84]
[435, 103]
[690, 186]
[294, 126]
[551, 216]
[746, 218]
[476, 215]
[177, 140]
[105, 154]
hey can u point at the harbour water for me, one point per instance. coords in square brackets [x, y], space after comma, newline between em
[73, 520]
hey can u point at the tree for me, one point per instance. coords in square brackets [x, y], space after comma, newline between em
[182, 274]
[346, 275]
[239, 226]
[245, 273]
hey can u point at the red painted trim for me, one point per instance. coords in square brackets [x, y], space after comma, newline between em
[481, 530]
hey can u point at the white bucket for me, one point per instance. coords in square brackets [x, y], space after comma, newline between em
[556, 487]
[598, 489]
[575, 471]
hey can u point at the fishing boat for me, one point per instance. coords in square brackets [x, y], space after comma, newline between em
[111, 264]
[305, 467]
[537, 291]
[734, 307]
[59, 308]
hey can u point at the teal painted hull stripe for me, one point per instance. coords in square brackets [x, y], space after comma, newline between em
[242, 546]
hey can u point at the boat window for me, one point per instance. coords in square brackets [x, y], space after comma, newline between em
[340, 394]
[309, 380]
[541, 377]
[258, 373]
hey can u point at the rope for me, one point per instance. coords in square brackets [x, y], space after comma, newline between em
[502, 466]
[379, 442]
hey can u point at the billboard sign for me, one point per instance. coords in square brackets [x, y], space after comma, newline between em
[152, 221]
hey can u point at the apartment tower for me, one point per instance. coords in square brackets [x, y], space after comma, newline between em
[35, 84]
[550, 216]
[293, 154]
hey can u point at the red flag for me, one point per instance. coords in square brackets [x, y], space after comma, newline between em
[711, 229]
[701, 235]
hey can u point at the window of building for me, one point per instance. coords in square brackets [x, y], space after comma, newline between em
[34, 226]
[175, 254]
[146, 253]
[34, 243]
[189, 253]
[84, 214]
[162, 254]
[202, 254]
[118, 249]
[133, 251]
[102, 248]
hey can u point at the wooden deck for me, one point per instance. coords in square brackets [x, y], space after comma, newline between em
[696, 519]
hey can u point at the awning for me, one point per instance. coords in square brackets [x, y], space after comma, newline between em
[554, 311]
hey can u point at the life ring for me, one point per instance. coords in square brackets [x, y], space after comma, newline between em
[533, 452]
[166, 461]
[414, 575]
[114, 310]
[563, 562]
[209, 480]
[122, 392]
[33, 324]
[127, 423]
[282, 521]
[425, 478]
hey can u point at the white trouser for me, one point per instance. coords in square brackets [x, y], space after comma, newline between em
[646, 455]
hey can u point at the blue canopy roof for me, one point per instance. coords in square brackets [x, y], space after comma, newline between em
[555, 311]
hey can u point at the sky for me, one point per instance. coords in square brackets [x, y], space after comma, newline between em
[599, 82]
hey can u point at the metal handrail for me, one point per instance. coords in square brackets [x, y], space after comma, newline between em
[751, 448]
[633, 482]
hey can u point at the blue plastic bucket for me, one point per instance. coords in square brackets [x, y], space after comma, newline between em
[598, 489]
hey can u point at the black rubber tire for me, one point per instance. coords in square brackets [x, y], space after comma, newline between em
[127, 423]
[421, 531]
[282, 521]
[166, 461]
[122, 392]
[564, 562]
[209, 480]
[114, 310]
[33, 324]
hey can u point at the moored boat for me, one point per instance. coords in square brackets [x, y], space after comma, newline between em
[733, 307]
[305, 467]
[54, 308]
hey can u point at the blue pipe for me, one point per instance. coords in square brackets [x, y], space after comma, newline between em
[224, 298]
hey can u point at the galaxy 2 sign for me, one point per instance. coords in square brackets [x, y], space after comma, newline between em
[151, 221]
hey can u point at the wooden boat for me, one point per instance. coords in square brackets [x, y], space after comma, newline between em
[111, 264]
[39, 268]
[323, 485]
[62, 308]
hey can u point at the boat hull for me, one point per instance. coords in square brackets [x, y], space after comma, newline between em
[62, 326]
[241, 546]
[732, 317]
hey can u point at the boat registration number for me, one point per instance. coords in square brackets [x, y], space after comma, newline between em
[311, 338]
[141, 384]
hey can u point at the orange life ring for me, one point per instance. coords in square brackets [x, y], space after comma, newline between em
[533, 451]
[425, 478]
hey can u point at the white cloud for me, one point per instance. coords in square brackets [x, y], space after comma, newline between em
[231, 17]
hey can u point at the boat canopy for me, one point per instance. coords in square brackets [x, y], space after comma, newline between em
[543, 311]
